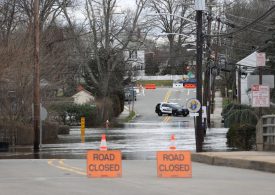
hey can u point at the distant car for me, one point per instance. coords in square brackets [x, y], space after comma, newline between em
[170, 109]
[130, 94]
[188, 81]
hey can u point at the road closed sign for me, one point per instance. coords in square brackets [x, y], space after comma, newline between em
[104, 163]
[173, 164]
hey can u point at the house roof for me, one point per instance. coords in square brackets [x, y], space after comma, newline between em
[249, 60]
[81, 91]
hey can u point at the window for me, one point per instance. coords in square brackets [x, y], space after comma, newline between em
[133, 54]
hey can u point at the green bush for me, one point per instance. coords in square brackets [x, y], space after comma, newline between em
[239, 114]
[70, 114]
[157, 82]
[227, 108]
[242, 136]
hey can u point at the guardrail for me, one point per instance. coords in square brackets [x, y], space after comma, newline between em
[265, 136]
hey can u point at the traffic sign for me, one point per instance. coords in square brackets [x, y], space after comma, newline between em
[104, 163]
[174, 164]
[260, 59]
[43, 113]
[260, 96]
[193, 105]
[193, 114]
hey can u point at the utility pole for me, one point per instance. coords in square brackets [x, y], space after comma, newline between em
[206, 89]
[214, 75]
[199, 6]
[36, 78]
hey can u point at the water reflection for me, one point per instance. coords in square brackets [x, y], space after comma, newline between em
[135, 140]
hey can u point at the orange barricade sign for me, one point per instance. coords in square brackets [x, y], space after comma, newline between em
[150, 86]
[190, 86]
[104, 163]
[174, 164]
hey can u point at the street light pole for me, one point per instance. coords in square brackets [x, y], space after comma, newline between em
[36, 79]
[200, 4]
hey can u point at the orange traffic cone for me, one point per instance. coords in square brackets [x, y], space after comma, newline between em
[172, 143]
[103, 144]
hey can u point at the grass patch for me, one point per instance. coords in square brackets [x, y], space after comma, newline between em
[131, 115]
[159, 83]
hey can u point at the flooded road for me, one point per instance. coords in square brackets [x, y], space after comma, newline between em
[137, 140]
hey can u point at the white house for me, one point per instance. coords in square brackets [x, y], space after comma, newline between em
[248, 64]
[136, 60]
[83, 97]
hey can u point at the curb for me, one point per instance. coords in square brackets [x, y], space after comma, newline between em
[234, 162]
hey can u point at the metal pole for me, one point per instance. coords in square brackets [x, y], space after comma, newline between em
[198, 127]
[36, 79]
[133, 98]
[260, 83]
[239, 86]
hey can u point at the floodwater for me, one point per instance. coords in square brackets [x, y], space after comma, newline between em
[137, 141]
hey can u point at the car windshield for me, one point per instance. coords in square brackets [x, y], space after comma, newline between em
[174, 105]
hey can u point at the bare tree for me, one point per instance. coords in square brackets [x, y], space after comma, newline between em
[171, 20]
[109, 34]
[16, 51]
[240, 14]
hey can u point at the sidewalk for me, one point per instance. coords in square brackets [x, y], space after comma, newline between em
[216, 117]
[262, 161]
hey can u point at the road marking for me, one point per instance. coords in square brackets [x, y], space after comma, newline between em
[167, 96]
[62, 163]
[176, 99]
[66, 167]
[188, 92]
[167, 119]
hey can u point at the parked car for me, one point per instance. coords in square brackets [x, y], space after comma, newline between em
[170, 109]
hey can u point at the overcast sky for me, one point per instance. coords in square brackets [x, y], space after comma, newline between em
[79, 11]
[126, 3]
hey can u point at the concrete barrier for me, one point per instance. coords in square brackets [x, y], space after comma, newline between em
[265, 136]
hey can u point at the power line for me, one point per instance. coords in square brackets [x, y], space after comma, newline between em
[262, 17]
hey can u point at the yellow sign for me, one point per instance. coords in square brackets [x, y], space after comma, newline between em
[82, 122]
[104, 163]
[174, 164]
